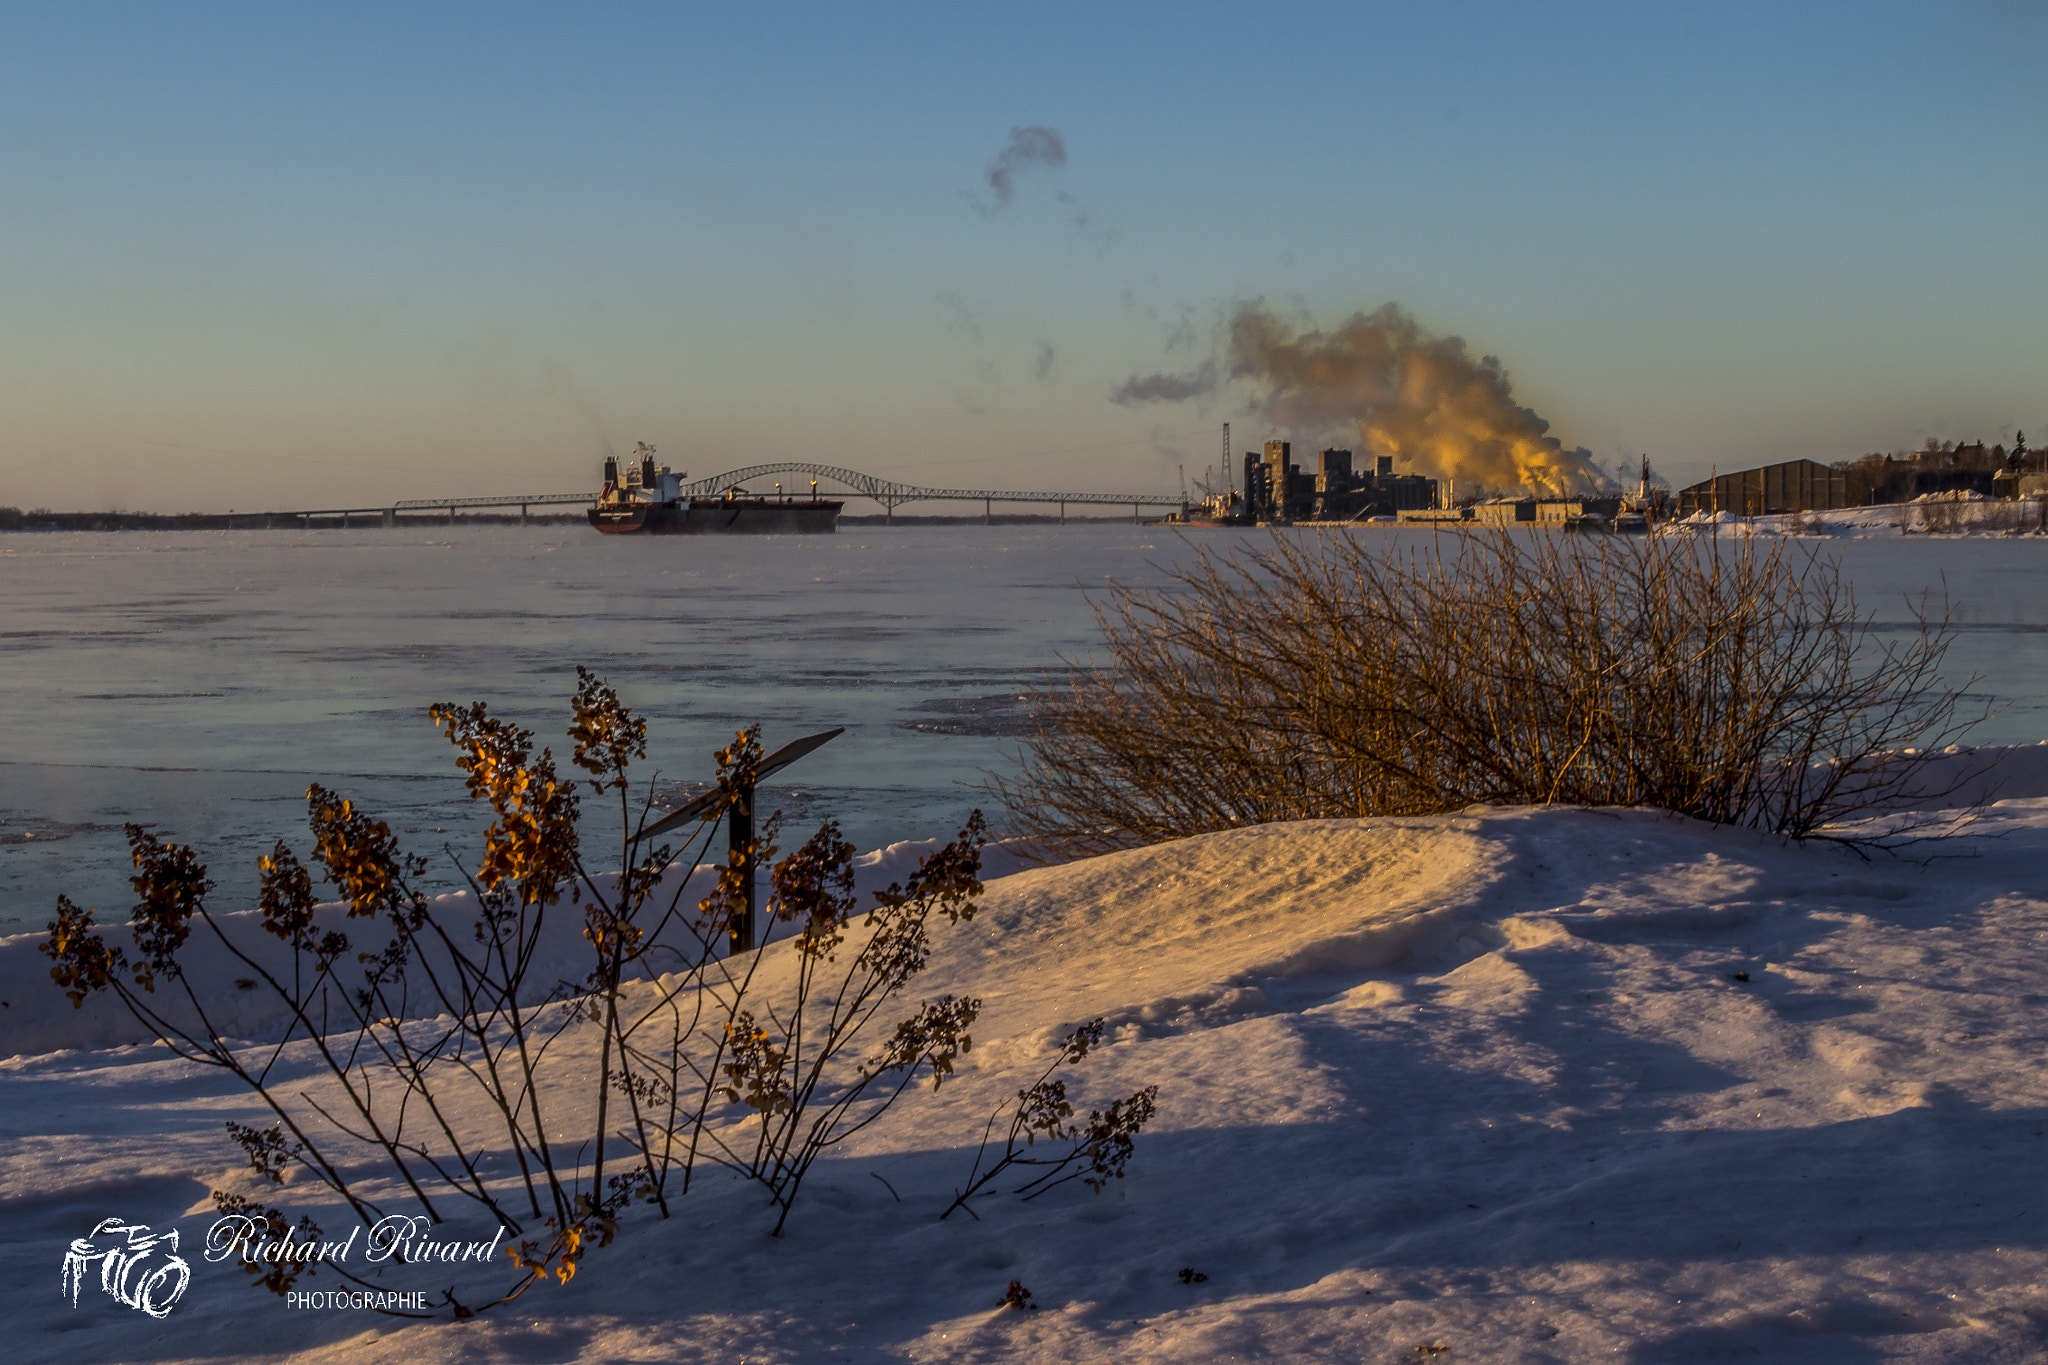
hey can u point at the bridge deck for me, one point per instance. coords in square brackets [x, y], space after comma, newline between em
[832, 478]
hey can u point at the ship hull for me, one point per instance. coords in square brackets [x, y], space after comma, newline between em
[726, 516]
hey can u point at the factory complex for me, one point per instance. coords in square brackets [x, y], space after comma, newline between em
[1278, 492]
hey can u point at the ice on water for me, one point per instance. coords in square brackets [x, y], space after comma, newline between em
[199, 682]
[1505, 1085]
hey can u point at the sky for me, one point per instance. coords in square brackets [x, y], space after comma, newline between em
[269, 257]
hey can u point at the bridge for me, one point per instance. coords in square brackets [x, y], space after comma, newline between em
[886, 492]
[892, 495]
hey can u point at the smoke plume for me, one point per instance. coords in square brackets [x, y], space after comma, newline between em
[1165, 388]
[560, 384]
[1380, 380]
[1029, 148]
[1422, 399]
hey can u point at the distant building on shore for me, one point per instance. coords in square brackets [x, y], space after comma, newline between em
[1541, 511]
[1794, 486]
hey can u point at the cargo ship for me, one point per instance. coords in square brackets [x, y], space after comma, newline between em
[649, 501]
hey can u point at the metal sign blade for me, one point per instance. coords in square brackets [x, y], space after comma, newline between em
[794, 750]
[698, 809]
[702, 806]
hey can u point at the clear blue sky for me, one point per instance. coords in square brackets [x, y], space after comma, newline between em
[262, 255]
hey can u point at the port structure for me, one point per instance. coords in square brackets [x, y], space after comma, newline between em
[887, 492]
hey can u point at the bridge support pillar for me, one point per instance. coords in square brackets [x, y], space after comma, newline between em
[390, 517]
[1063, 511]
[305, 521]
[451, 516]
[987, 516]
[1134, 514]
[522, 514]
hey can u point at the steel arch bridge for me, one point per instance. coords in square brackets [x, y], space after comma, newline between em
[887, 492]
[893, 495]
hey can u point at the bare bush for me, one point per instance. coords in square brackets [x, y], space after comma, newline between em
[1335, 675]
[1102, 1145]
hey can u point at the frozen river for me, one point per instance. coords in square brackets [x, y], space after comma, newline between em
[199, 681]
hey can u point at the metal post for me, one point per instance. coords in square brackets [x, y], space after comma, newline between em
[739, 833]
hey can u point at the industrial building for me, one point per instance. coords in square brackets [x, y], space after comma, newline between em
[1542, 511]
[1794, 486]
[1276, 489]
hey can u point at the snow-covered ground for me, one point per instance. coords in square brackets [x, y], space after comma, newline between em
[1507, 1085]
[1933, 514]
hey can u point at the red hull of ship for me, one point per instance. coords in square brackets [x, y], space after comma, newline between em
[726, 516]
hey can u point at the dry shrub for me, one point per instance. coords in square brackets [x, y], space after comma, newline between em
[432, 1092]
[1343, 675]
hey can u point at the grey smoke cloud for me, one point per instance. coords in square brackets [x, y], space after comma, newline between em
[1030, 149]
[1036, 149]
[1046, 360]
[959, 316]
[559, 383]
[1165, 388]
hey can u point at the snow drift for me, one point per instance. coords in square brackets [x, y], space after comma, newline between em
[1512, 1084]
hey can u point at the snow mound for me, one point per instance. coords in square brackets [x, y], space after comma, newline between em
[37, 1018]
[1962, 512]
[1512, 1084]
